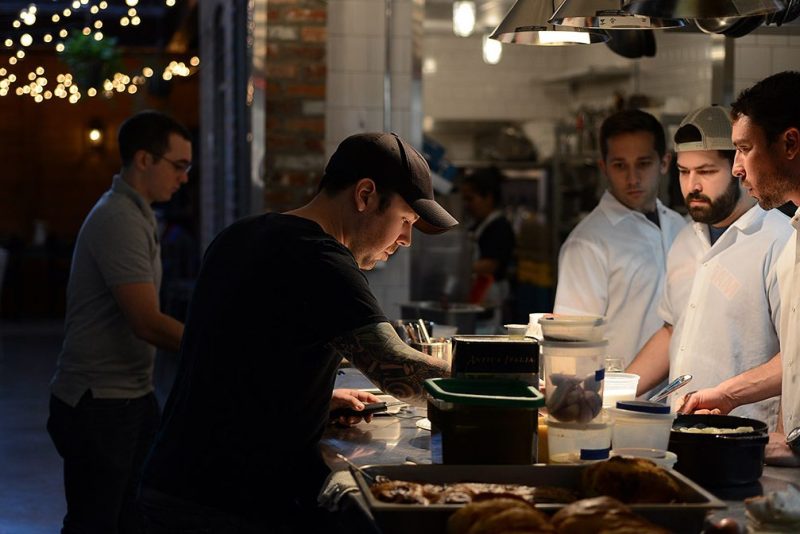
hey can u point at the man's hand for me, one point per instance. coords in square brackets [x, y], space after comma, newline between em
[351, 398]
[707, 401]
[778, 452]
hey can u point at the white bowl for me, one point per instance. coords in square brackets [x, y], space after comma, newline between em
[660, 457]
[516, 330]
[573, 327]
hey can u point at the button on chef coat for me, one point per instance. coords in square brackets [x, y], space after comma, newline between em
[724, 302]
[789, 280]
[613, 264]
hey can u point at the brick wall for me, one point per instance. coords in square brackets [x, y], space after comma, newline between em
[295, 124]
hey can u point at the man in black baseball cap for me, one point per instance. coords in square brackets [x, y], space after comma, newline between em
[280, 300]
[395, 167]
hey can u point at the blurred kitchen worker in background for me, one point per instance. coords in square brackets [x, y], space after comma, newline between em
[280, 300]
[613, 262]
[721, 303]
[766, 134]
[493, 245]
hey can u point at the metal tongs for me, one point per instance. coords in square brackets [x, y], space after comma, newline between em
[671, 388]
[369, 478]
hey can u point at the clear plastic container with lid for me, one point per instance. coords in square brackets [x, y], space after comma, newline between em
[641, 424]
[579, 443]
[574, 373]
[619, 387]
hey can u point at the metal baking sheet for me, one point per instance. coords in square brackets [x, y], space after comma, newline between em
[686, 516]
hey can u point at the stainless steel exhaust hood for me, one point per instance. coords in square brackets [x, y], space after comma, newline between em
[526, 23]
[607, 15]
[703, 9]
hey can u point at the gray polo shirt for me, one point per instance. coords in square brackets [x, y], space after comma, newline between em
[117, 244]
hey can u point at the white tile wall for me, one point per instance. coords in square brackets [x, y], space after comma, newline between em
[355, 98]
[763, 53]
[752, 61]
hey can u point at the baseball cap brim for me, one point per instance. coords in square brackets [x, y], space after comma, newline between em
[433, 218]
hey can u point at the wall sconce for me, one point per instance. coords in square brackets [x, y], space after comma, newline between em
[96, 135]
[464, 18]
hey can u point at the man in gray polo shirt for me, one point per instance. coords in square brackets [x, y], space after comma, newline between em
[103, 413]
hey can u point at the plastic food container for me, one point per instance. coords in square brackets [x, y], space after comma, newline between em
[573, 327]
[574, 373]
[579, 443]
[483, 421]
[661, 458]
[619, 387]
[641, 424]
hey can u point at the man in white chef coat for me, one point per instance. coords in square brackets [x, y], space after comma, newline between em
[613, 262]
[766, 134]
[721, 302]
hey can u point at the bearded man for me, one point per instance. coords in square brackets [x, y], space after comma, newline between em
[721, 302]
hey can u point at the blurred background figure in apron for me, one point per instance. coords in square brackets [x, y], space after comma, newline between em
[493, 247]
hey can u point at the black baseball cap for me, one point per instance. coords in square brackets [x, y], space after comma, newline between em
[392, 163]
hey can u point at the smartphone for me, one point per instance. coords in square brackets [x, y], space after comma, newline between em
[369, 409]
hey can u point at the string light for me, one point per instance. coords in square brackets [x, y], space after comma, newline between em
[66, 87]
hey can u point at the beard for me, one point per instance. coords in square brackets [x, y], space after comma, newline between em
[773, 190]
[716, 210]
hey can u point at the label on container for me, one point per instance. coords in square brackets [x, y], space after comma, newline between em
[600, 374]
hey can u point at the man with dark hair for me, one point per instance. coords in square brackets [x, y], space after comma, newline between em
[493, 242]
[103, 413]
[766, 134]
[721, 302]
[279, 301]
[613, 262]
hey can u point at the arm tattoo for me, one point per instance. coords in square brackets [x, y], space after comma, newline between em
[397, 369]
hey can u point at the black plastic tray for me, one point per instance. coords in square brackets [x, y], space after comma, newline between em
[687, 516]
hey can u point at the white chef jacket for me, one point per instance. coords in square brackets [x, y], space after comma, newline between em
[613, 264]
[789, 280]
[724, 303]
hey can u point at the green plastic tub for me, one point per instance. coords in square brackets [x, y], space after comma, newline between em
[483, 422]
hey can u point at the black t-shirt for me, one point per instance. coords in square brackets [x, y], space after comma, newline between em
[497, 242]
[251, 398]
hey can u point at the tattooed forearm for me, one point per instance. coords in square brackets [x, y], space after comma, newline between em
[378, 352]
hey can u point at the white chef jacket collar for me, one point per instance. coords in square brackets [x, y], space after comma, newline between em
[744, 223]
[796, 219]
[617, 211]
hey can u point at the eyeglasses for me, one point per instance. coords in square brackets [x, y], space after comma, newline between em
[179, 166]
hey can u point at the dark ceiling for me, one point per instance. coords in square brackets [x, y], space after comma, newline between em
[162, 27]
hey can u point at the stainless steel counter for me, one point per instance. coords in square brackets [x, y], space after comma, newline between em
[396, 439]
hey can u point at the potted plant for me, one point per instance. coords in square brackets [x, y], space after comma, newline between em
[91, 61]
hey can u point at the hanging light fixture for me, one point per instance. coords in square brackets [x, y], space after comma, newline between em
[526, 23]
[492, 50]
[464, 18]
[607, 15]
[703, 9]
